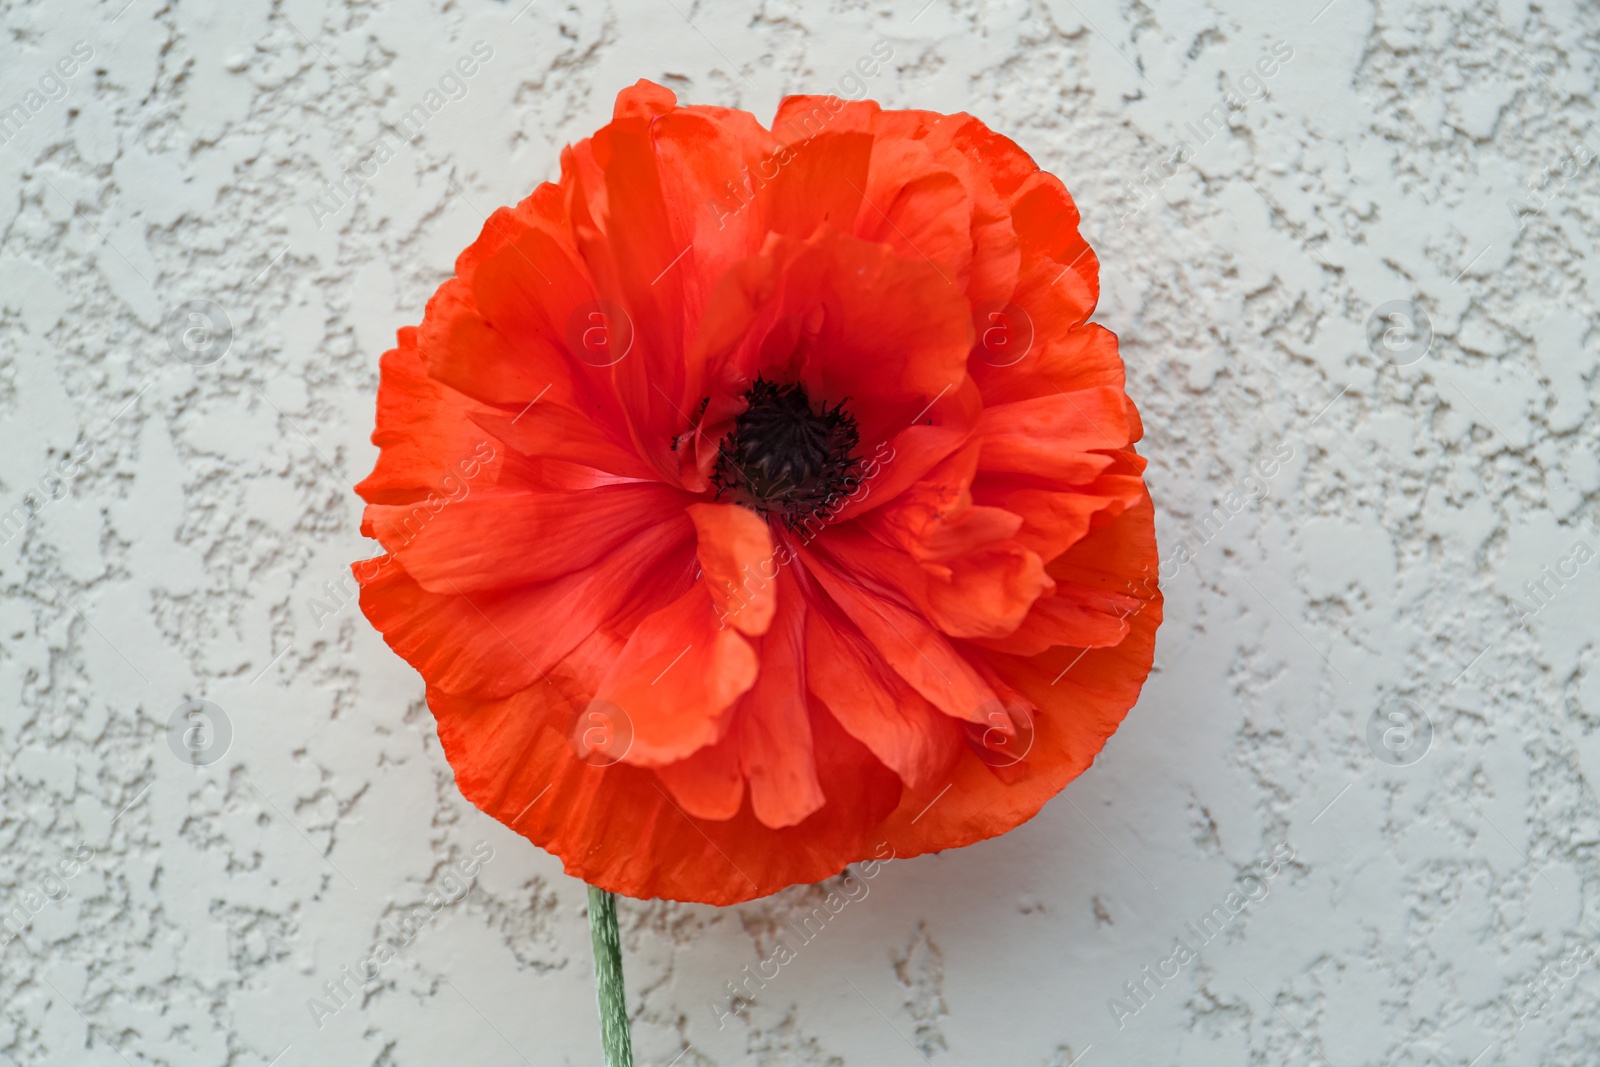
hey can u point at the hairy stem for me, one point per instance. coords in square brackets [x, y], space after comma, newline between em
[614, 1036]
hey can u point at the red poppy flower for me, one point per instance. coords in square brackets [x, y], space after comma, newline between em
[755, 502]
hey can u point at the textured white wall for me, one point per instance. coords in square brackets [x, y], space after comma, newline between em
[182, 915]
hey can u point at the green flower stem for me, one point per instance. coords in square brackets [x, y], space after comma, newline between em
[614, 1036]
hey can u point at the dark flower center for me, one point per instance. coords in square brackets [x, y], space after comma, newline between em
[783, 457]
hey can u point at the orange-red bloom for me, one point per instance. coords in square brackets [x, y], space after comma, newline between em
[760, 501]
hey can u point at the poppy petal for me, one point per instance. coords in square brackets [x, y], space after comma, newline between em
[427, 443]
[775, 742]
[675, 677]
[707, 784]
[1081, 696]
[875, 705]
[498, 641]
[918, 652]
[735, 551]
[548, 533]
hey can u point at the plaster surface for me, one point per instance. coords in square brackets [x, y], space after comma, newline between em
[1414, 552]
